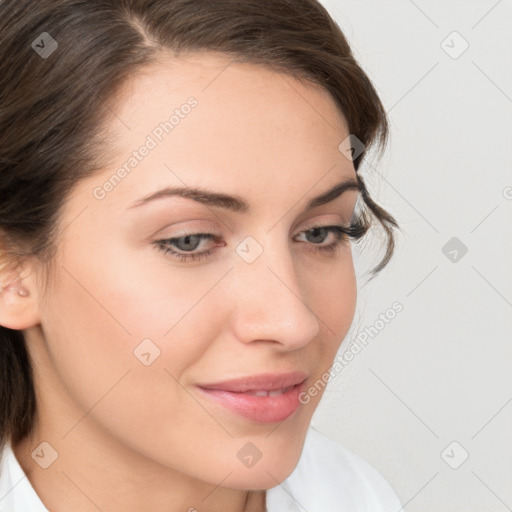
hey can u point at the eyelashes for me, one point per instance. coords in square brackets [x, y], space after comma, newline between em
[341, 233]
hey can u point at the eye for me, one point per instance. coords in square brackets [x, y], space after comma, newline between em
[188, 243]
[319, 234]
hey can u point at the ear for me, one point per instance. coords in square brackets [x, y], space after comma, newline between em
[19, 305]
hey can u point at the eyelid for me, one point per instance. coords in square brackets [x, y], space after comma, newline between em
[204, 226]
[324, 221]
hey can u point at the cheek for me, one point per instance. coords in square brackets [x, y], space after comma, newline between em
[112, 311]
[334, 302]
[333, 295]
[97, 313]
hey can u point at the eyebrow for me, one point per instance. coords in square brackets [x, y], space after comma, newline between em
[236, 203]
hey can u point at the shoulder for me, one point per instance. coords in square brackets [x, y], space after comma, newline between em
[330, 477]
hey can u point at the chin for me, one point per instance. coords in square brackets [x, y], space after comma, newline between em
[269, 471]
[259, 480]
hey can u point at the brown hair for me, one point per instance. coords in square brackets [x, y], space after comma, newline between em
[53, 109]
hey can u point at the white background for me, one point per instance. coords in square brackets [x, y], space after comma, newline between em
[440, 371]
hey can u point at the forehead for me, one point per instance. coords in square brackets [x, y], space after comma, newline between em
[233, 98]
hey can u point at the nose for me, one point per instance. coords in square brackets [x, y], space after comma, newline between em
[269, 303]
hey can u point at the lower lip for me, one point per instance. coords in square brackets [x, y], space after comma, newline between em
[261, 409]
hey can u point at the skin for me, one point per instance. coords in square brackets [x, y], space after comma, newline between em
[133, 437]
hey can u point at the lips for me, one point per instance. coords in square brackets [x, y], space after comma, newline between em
[265, 398]
[262, 382]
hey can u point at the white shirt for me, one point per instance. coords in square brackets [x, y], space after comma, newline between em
[327, 478]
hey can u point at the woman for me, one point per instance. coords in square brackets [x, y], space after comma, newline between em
[179, 192]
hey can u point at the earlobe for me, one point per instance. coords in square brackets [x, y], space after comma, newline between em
[18, 307]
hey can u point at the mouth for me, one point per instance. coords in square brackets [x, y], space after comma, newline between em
[274, 392]
[265, 398]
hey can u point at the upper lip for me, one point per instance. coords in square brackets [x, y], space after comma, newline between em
[260, 382]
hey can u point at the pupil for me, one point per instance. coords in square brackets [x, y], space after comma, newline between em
[187, 242]
[315, 232]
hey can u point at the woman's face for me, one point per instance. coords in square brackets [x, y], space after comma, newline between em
[128, 332]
